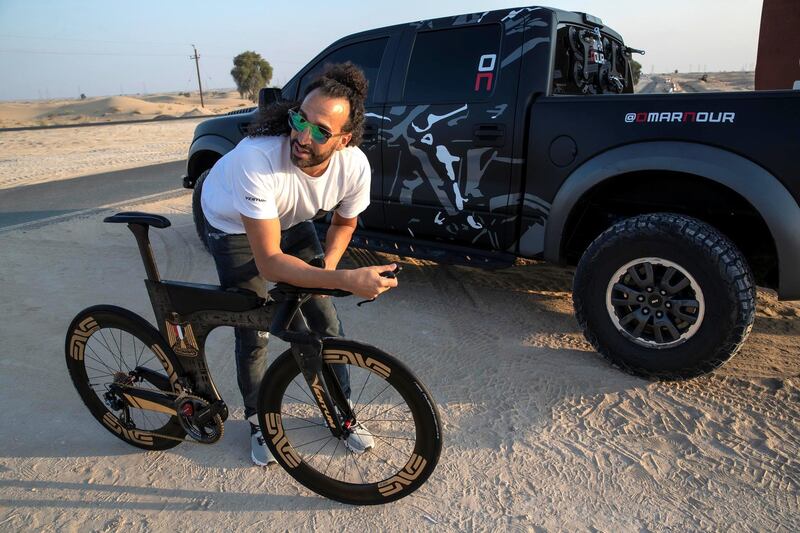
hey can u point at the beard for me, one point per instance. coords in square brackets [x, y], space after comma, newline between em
[314, 157]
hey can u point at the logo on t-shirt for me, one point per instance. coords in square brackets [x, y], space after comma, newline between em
[254, 199]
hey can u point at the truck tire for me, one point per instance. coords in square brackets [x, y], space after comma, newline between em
[197, 209]
[664, 295]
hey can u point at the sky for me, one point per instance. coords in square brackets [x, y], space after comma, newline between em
[53, 49]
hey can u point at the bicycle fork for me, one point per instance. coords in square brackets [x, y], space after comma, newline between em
[325, 388]
[306, 346]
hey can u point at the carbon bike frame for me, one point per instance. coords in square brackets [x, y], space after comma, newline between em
[186, 313]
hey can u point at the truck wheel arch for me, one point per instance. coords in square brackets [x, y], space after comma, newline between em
[760, 188]
[204, 152]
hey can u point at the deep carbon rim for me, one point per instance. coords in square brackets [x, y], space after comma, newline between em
[388, 399]
[655, 302]
[378, 405]
[111, 354]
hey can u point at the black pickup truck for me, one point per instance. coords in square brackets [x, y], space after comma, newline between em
[515, 133]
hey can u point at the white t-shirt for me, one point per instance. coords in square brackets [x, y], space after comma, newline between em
[258, 179]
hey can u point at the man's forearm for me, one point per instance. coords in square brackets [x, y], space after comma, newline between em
[295, 271]
[274, 265]
[336, 241]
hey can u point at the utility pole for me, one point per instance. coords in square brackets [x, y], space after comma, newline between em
[196, 58]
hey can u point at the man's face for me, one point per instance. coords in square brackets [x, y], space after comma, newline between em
[328, 113]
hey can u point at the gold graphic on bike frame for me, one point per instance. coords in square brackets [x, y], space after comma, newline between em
[142, 437]
[181, 339]
[141, 403]
[334, 356]
[282, 445]
[404, 478]
[80, 335]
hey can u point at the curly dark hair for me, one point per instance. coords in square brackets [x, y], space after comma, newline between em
[272, 120]
[341, 80]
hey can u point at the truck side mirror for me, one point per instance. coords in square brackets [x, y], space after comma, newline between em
[267, 96]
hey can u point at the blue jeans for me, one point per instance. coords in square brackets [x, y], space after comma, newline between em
[237, 268]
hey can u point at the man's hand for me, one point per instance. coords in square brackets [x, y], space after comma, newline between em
[367, 282]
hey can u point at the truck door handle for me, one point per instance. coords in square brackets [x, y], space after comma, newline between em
[489, 134]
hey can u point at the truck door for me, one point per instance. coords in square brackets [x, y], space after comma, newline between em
[373, 56]
[448, 133]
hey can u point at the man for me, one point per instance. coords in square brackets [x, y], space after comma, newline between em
[297, 163]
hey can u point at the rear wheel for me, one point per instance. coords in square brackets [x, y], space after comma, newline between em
[664, 295]
[107, 345]
[197, 209]
[388, 400]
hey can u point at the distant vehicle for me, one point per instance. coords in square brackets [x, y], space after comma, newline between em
[514, 133]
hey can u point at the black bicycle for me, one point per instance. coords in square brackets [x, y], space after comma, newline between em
[152, 387]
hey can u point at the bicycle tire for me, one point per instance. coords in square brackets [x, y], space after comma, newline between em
[382, 484]
[88, 339]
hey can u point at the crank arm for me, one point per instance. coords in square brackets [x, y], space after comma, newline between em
[216, 408]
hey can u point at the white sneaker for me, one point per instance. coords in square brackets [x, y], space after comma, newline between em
[259, 452]
[360, 440]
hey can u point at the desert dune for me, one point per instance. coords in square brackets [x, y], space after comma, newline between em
[117, 108]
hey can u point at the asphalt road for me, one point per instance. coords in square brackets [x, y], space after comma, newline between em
[649, 88]
[45, 200]
[659, 85]
[656, 84]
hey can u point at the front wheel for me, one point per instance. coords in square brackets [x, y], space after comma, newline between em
[388, 400]
[664, 295]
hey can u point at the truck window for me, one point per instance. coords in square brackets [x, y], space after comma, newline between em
[589, 62]
[454, 65]
[366, 54]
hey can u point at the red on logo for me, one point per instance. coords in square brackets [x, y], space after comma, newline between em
[485, 71]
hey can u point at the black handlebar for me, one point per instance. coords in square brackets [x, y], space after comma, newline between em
[284, 291]
[290, 298]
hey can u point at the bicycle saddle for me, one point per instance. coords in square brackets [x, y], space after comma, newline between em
[137, 217]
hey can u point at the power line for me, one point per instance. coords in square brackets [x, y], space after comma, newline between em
[36, 38]
[52, 52]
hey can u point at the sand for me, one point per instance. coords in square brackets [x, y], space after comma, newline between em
[36, 156]
[541, 434]
[115, 108]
